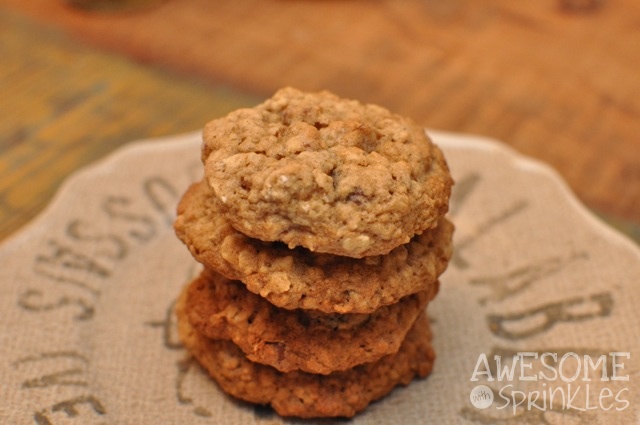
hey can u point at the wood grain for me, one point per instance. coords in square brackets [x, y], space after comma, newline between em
[66, 106]
[557, 80]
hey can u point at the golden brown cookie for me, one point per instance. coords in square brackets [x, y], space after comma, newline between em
[299, 278]
[304, 394]
[329, 174]
[291, 340]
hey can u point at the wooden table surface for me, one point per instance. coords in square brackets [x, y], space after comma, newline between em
[555, 79]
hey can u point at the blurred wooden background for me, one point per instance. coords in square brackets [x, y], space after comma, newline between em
[555, 79]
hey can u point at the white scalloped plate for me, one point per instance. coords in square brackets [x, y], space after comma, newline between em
[86, 290]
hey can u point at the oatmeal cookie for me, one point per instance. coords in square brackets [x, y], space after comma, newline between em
[299, 278]
[302, 394]
[329, 174]
[289, 340]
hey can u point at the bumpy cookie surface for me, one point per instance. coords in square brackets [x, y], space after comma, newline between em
[329, 174]
[304, 394]
[291, 340]
[299, 278]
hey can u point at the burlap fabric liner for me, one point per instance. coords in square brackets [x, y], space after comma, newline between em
[87, 334]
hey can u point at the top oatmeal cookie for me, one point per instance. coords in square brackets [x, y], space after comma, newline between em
[329, 174]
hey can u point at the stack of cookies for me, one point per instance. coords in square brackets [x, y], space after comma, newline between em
[320, 224]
